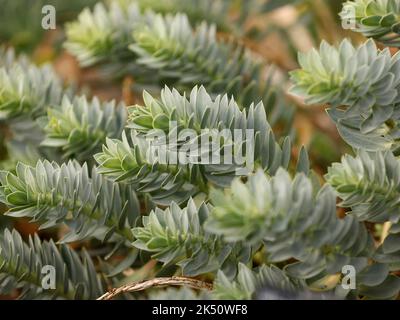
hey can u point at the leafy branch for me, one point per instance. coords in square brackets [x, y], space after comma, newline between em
[21, 266]
[360, 85]
[378, 19]
[51, 194]
[168, 179]
[176, 236]
[79, 127]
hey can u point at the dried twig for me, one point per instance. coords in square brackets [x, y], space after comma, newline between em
[385, 231]
[156, 282]
[127, 94]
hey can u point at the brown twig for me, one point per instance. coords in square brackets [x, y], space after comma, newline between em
[127, 93]
[156, 282]
[385, 231]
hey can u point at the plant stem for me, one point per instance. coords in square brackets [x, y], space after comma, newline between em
[156, 282]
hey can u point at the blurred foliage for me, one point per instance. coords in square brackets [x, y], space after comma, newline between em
[21, 20]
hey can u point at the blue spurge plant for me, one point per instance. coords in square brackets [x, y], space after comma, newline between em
[165, 49]
[166, 180]
[198, 175]
[80, 126]
[359, 85]
[376, 19]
